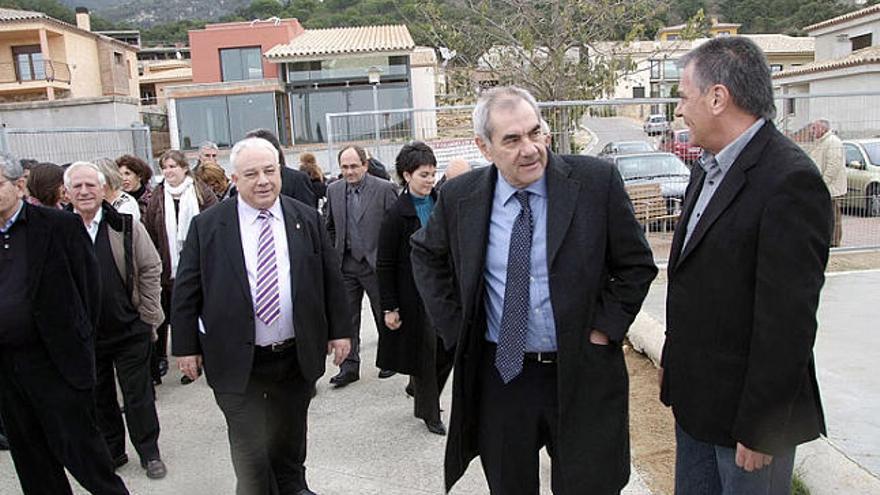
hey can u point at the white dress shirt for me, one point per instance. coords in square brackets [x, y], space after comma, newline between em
[93, 227]
[249, 224]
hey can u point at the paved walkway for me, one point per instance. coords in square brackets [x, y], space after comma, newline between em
[846, 357]
[363, 440]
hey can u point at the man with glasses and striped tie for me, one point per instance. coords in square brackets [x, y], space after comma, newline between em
[255, 285]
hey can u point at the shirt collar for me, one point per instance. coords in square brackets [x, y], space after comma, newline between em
[18, 213]
[731, 152]
[506, 191]
[95, 221]
[251, 214]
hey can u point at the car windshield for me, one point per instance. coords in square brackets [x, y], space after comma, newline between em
[645, 166]
[873, 150]
[634, 147]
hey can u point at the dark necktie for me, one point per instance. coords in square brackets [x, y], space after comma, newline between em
[515, 314]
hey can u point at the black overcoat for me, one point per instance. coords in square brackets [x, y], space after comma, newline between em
[399, 349]
[600, 269]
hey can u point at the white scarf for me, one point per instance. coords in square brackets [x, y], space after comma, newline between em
[177, 226]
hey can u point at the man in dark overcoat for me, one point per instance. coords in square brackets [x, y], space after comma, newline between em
[540, 265]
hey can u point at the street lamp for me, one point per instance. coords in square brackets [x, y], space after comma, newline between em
[373, 75]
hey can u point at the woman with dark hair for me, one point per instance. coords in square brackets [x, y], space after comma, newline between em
[408, 344]
[46, 185]
[136, 175]
[309, 165]
[172, 207]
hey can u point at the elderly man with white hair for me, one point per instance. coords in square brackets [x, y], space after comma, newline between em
[131, 310]
[256, 303]
[49, 299]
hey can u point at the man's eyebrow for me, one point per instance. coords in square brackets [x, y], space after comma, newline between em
[514, 135]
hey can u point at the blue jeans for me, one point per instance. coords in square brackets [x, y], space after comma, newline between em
[705, 469]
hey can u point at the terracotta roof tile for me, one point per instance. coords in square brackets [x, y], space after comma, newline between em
[843, 18]
[336, 41]
[870, 55]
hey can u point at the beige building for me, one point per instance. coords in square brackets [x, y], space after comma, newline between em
[847, 61]
[42, 58]
[159, 75]
[674, 33]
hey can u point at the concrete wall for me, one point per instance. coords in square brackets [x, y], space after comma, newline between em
[851, 116]
[829, 47]
[81, 112]
[205, 45]
[422, 84]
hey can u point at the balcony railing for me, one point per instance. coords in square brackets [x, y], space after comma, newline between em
[38, 70]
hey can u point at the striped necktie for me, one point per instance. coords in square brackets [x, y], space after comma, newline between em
[267, 304]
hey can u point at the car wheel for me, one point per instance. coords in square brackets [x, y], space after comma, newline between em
[872, 202]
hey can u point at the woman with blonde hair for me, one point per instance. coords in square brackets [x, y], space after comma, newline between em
[309, 165]
[174, 203]
[113, 193]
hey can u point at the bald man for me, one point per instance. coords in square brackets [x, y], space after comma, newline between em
[455, 167]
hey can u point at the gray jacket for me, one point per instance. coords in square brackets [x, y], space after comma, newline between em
[378, 196]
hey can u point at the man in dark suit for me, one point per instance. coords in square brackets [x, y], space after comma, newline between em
[294, 183]
[49, 302]
[355, 209]
[745, 271]
[255, 302]
[548, 269]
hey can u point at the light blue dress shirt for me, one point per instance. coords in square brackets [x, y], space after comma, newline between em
[541, 335]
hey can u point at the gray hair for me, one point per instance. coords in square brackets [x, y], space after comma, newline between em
[75, 165]
[111, 173]
[10, 167]
[210, 145]
[738, 64]
[500, 97]
[251, 142]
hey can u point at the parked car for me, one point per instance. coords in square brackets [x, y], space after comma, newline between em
[624, 148]
[661, 168]
[656, 124]
[678, 142]
[862, 175]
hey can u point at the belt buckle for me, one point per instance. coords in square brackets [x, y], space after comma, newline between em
[542, 359]
[278, 346]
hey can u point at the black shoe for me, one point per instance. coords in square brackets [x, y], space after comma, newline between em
[344, 378]
[163, 367]
[185, 380]
[4, 442]
[314, 392]
[409, 390]
[157, 381]
[437, 428]
[120, 460]
[306, 491]
[155, 469]
[386, 374]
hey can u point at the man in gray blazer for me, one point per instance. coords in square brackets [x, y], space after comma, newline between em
[355, 208]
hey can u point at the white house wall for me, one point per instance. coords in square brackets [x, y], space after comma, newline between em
[422, 82]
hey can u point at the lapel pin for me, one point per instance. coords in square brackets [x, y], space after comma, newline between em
[297, 226]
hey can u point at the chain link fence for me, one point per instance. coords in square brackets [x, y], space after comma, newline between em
[633, 133]
[65, 145]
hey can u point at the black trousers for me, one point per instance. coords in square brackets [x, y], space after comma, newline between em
[131, 359]
[51, 426]
[516, 420]
[267, 426]
[431, 378]
[160, 347]
[358, 278]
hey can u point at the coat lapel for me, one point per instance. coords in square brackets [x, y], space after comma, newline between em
[230, 232]
[296, 246]
[473, 230]
[733, 182]
[693, 191]
[562, 195]
[366, 196]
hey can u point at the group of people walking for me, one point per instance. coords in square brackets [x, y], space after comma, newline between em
[525, 275]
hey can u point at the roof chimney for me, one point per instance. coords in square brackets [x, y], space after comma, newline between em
[83, 20]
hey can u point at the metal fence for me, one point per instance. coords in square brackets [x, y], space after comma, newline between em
[65, 145]
[603, 127]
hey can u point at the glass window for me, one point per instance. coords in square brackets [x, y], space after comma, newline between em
[249, 112]
[655, 69]
[29, 64]
[238, 64]
[639, 92]
[202, 119]
[775, 67]
[859, 42]
[670, 69]
[853, 155]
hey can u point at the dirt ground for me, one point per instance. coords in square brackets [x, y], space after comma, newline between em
[652, 428]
